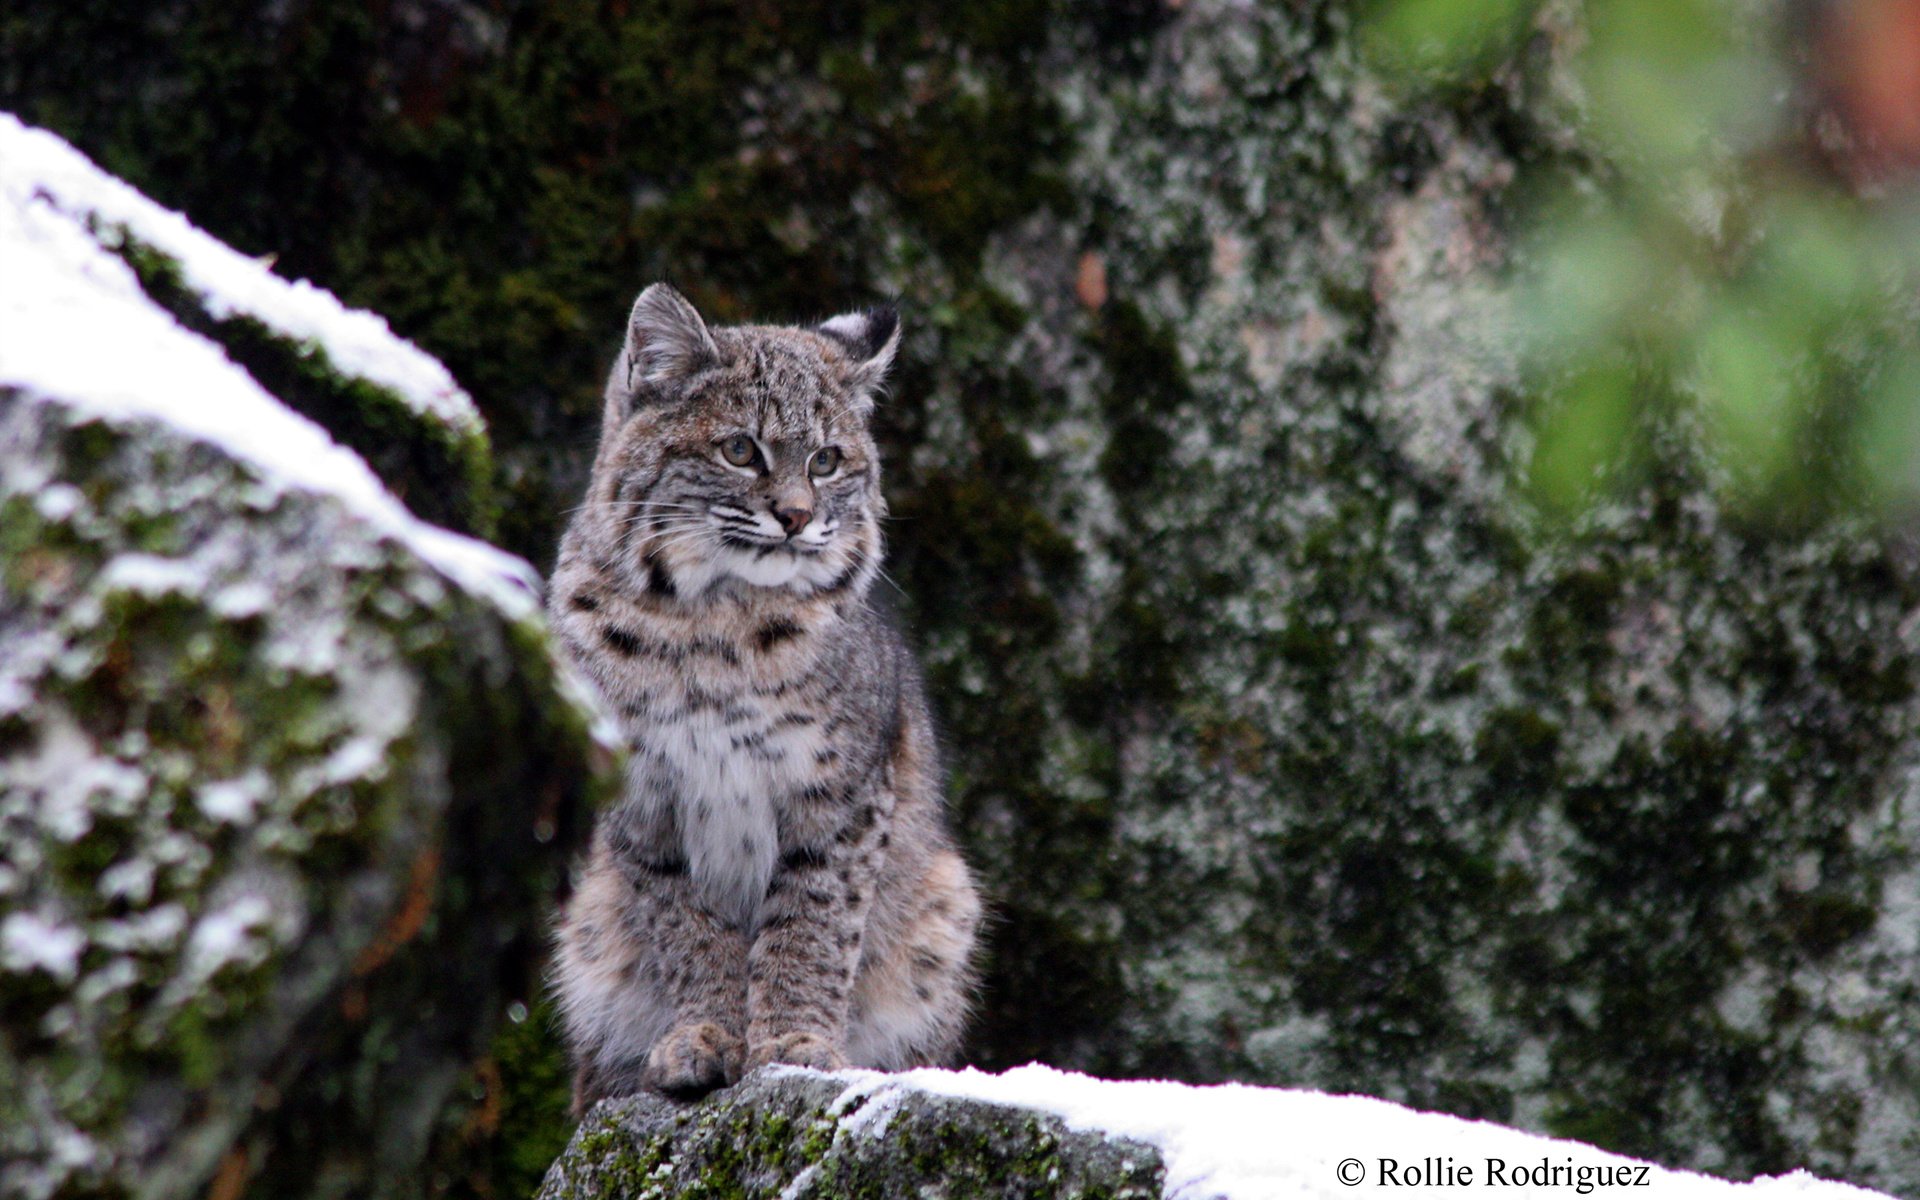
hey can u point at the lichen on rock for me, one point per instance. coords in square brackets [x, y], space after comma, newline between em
[284, 771]
[804, 1136]
[1041, 1134]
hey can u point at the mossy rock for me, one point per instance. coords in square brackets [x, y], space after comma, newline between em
[789, 1133]
[437, 461]
[380, 396]
[284, 797]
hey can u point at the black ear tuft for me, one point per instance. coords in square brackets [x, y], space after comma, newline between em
[883, 321]
[871, 338]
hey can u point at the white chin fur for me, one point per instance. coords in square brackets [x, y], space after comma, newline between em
[714, 564]
[770, 571]
[799, 573]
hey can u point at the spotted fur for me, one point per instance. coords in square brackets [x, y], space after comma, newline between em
[778, 883]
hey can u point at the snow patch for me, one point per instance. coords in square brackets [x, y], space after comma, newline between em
[248, 598]
[226, 935]
[1238, 1142]
[356, 343]
[156, 930]
[29, 942]
[69, 782]
[76, 326]
[151, 575]
[130, 880]
[59, 501]
[234, 801]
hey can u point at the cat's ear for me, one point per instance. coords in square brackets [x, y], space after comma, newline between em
[666, 339]
[872, 338]
[666, 342]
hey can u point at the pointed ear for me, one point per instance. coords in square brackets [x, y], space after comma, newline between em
[666, 342]
[871, 338]
[666, 339]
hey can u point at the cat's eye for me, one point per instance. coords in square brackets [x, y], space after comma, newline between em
[739, 450]
[825, 460]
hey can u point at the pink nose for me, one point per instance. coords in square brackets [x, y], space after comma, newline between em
[793, 518]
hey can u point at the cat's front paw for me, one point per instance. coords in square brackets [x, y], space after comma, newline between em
[692, 1060]
[799, 1050]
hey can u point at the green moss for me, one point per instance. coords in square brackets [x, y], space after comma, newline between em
[764, 1138]
[518, 1122]
[404, 880]
[614, 1164]
[443, 473]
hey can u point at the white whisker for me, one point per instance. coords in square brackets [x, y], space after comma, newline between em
[674, 539]
[881, 572]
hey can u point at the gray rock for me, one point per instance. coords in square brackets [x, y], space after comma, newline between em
[803, 1136]
[1295, 747]
[285, 774]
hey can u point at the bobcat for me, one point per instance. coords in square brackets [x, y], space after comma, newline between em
[777, 883]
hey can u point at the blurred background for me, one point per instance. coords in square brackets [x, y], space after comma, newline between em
[1738, 254]
[1406, 506]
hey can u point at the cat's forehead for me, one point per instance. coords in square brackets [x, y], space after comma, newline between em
[792, 381]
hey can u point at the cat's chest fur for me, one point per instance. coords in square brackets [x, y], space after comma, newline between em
[728, 725]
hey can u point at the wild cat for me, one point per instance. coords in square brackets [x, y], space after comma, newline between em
[777, 883]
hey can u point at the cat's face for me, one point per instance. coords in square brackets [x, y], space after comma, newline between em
[740, 457]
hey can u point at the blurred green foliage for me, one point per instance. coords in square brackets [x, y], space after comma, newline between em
[516, 1122]
[1739, 261]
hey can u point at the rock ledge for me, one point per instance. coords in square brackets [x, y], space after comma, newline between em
[798, 1135]
[1041, 1133]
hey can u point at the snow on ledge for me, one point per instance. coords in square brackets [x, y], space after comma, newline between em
[76, 328]
[34, 162]
[1239, 1142]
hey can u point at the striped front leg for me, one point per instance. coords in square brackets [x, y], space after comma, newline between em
[807, 947]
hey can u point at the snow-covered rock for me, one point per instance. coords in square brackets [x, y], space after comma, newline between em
[285, 771]
[383, 397]
[1038, 1132]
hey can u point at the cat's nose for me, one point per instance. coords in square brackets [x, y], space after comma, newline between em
[792, 517]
